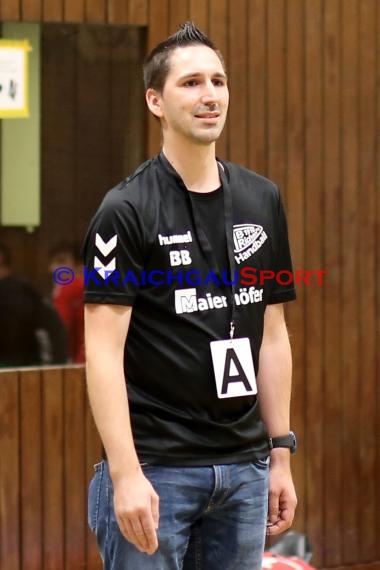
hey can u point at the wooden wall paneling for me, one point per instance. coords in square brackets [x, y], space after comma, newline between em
[93, 454]
[217, 29]
[178, 13]
[59, 133]
[157, 31]
[74, 10]
[93, 127]
[295, 204]
[30, 448]
[59, 136]
[365, 566]
[238, 56]
[138, 12]
[257, 83]
[332, 372]
[10, 10]
[377, 260]
[314, 406]
[94, 562]
[53, 469]
[31, 10]
[52, 10]
[369, 511]
[133, 12]
[9, 472]
[118, 11]
[128, 110]
[95, 10]
[75, 497]
[93, 443]
[276, 92]
[199, 14]
[157, 22]
[350, 315]
[378, 265]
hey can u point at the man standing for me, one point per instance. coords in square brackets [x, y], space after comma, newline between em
[188, 356]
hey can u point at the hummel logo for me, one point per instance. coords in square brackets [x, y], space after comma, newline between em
[105, 248]
[104, 270]
[248, 238]
[174, 239]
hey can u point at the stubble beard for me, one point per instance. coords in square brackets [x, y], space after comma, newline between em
[206, 136]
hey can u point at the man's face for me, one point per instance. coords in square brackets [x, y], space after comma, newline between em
[194, 101]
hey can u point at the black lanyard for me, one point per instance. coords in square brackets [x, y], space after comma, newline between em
[205, 244]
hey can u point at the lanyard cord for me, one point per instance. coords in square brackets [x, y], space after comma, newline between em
[228, 224]
[205, 245]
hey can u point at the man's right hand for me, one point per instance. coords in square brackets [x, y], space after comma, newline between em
[136, 507]
[135, 500]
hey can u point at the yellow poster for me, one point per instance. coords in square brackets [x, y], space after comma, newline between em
[14, 84]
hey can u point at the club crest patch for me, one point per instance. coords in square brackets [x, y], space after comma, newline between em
[248, 238]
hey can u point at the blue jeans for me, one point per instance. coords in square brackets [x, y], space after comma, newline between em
[211, 518]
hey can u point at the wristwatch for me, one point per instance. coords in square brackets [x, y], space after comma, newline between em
[288, 440]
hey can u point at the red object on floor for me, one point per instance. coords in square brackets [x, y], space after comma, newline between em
[277, 562]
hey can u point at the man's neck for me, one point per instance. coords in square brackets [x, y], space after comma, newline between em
[196, 164]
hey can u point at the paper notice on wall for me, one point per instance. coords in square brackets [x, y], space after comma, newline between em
[14, 78]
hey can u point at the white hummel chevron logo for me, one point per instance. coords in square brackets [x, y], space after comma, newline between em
[105, 248]
[105, 270]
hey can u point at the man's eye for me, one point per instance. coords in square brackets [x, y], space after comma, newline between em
[190, 83]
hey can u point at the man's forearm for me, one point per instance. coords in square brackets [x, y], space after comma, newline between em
[109, 402]
[274, 383]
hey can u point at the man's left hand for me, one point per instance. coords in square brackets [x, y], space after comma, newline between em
[282, 499]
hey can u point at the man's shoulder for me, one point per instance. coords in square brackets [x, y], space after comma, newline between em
[131, 188]
[240, 174]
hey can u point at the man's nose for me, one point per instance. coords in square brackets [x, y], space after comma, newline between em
[209, 93]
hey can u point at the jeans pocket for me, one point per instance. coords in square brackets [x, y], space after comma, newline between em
[94, 494]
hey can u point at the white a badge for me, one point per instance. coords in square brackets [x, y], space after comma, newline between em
[233, 368]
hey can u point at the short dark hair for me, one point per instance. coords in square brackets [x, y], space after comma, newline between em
[157, 63]
[5, 255]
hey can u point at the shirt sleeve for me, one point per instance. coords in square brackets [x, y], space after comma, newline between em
[113, 254]
[283, 285]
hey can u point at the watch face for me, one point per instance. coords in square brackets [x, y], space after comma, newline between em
[294, 442]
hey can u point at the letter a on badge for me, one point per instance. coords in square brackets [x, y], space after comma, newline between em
[233, 368]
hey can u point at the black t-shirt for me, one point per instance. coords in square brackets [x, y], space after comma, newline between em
[210, 206]
[145, 247]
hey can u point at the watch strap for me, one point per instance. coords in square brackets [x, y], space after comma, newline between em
[288, 441]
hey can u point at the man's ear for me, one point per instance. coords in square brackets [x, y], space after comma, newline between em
[153, 99]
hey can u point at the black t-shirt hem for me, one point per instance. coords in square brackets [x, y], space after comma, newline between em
[178, 461]
[283, 297]
[114, 299]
